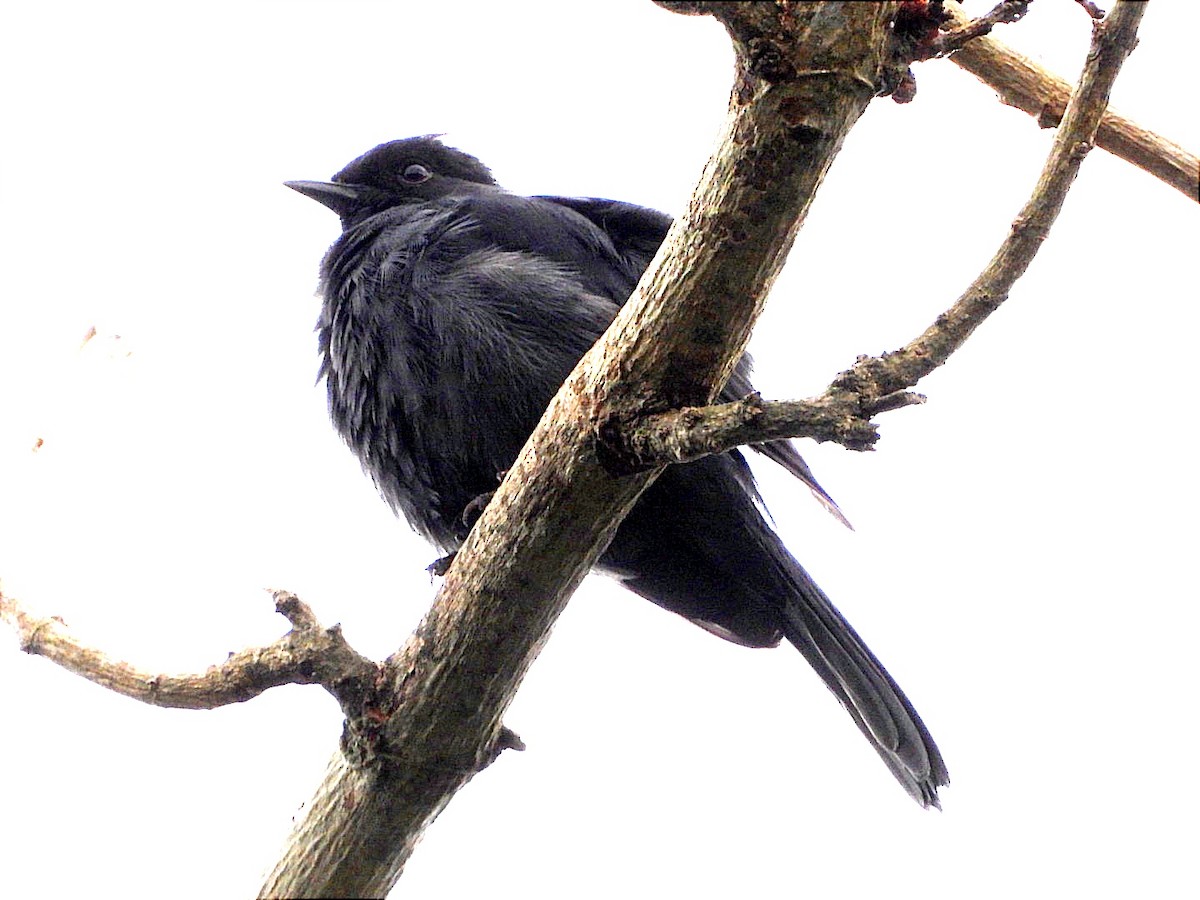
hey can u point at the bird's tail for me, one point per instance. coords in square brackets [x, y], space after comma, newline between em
[860, 682]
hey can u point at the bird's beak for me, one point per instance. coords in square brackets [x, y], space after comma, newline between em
[343, 199]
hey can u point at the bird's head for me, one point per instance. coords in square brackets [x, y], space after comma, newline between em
[395, 173]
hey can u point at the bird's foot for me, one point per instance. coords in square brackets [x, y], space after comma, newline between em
[441, 565]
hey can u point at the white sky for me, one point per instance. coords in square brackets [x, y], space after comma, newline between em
[1022, 560]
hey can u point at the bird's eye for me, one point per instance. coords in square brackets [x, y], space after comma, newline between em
[415, 174]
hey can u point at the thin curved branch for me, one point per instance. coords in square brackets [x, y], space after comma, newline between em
[1005, 12]
[876, 384]
[1113, 40]
[308, 654]
[1024, 84]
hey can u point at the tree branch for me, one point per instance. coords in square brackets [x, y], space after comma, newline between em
[687, 434]
[1113, 40]
[805, 72]
[308, 654]
[1024, 84]
[1005, 12]
[876, 384]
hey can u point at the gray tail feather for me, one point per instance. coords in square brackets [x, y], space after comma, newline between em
[865, 689]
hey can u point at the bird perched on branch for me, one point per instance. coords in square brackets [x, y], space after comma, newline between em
[453, 311]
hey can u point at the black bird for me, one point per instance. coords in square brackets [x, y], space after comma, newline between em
[453, 311]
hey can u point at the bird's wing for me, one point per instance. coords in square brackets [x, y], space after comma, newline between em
[443, 346]
[636, 233]
[785, 454]
[782, 452]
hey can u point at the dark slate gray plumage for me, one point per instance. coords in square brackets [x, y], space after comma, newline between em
[453, 310]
